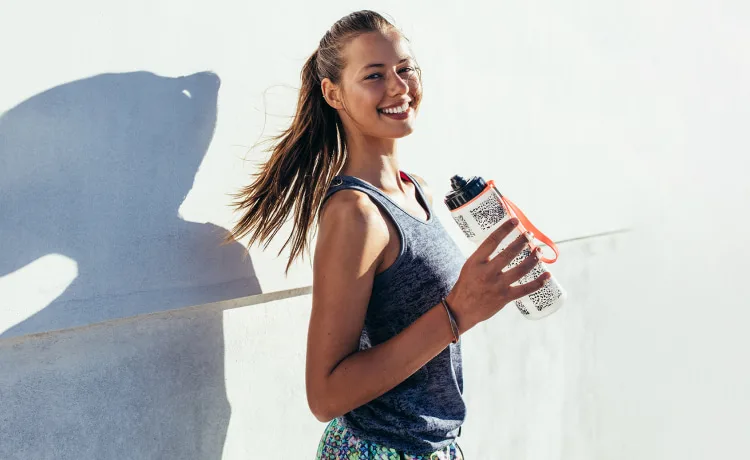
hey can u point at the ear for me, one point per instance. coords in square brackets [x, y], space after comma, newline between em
[331, 93]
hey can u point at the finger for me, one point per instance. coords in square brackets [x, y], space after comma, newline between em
[505, 256]
[519, 271]
[490, 244]
[532, 286]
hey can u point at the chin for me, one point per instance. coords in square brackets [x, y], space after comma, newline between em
[399, 132]
[394, 134]
[404, 133]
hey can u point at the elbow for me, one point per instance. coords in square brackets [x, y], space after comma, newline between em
[321, 407]
[323, 417]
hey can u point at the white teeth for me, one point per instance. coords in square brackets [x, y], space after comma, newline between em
[401, 109]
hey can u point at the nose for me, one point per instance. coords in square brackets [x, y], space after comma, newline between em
[397, 85]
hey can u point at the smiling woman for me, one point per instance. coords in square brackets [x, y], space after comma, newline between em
[391, 290]
[380, 83]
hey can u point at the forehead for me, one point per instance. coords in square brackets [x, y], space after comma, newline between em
[375, 48]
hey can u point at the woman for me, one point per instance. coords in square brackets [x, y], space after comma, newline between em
[391, 290]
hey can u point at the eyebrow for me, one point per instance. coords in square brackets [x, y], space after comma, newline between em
[369, 66]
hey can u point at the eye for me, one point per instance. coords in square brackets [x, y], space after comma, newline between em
[374, 76]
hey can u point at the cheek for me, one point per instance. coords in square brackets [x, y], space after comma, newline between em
[363, 101]
[415, 89]
[371, 98]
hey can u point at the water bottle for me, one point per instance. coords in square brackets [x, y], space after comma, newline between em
[479, 208]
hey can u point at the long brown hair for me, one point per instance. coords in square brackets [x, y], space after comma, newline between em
[306, 156]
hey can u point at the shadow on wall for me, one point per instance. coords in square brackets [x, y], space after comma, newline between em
[145, 390]
[95, 170]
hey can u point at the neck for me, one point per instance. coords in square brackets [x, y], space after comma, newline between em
[374, 160]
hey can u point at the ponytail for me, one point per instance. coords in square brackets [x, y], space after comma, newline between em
[306, 156]
[294, 180]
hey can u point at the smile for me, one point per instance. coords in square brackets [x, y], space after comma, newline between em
[395, 110]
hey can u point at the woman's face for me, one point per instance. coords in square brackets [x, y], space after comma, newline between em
[380, 90]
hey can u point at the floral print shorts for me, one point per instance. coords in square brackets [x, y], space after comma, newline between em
[338, 443]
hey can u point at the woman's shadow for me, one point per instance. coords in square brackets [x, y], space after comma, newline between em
[95, 170]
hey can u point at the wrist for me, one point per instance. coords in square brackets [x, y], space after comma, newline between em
[463, 319]
[455, 333]
[459, 317]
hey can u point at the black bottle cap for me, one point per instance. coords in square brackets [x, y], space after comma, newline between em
[464, 191]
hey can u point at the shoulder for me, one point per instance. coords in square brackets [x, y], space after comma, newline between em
[351, 221]
[425, 187]
[350, 206]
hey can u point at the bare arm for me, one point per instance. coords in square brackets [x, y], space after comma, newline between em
[352, 236]
[351, 239]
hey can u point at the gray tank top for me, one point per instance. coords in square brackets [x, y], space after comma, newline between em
[425, 412]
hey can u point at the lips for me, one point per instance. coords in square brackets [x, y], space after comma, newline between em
[396, 109]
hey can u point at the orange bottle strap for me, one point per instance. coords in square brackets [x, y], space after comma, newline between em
[529, 226]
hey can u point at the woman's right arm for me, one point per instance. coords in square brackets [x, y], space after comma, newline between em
[351, 238]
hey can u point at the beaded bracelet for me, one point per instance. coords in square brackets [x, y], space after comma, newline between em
[454, 326]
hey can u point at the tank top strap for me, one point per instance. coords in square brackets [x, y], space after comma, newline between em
[353, 183]
[339, 183]
[343, 183]
[420, 191]
[397, 213]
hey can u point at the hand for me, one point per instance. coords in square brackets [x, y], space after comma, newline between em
[483, 288]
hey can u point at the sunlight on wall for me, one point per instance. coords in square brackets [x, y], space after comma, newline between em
[33, 287]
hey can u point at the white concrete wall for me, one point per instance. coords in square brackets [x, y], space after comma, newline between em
[125, 332]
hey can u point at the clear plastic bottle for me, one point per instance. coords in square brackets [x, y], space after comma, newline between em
[478, 208]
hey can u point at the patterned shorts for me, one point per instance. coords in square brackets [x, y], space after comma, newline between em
[338, 443]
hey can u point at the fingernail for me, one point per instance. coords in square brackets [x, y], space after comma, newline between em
[514, 221]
